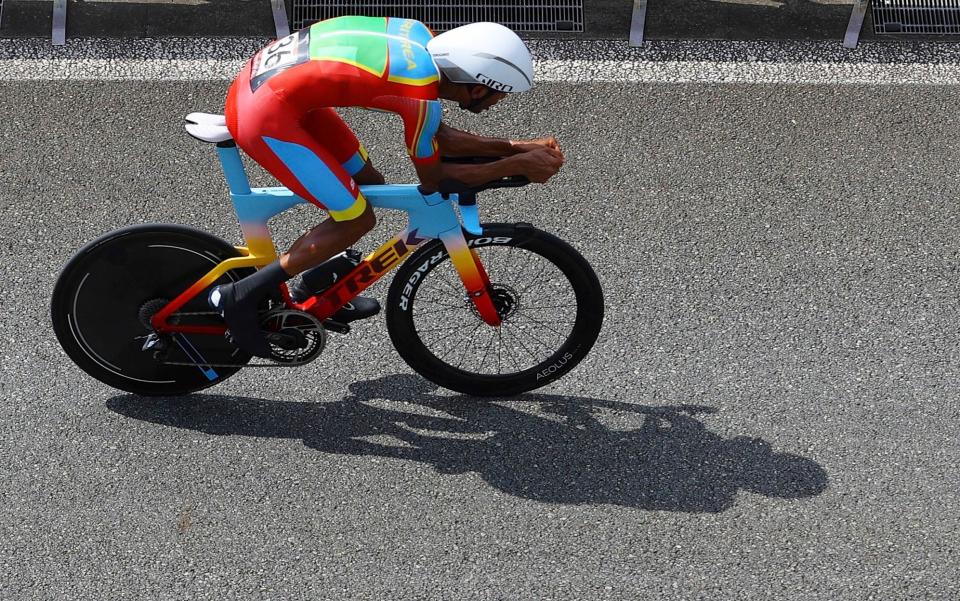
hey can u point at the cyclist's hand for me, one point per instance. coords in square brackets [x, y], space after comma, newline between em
[538, 165]
[528, 145]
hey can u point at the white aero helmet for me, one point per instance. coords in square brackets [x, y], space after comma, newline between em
[484, 53]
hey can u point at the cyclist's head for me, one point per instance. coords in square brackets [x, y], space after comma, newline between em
[483, 54]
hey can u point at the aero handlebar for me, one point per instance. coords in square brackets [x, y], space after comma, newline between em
[467, 195]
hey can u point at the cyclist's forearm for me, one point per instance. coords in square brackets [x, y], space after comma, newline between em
[471, 175]
[453, 142]
[475, 175]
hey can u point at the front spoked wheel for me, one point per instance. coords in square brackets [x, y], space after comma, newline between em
[549, 300]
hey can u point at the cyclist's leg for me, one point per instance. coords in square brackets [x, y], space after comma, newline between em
[343, 158]
[325, 124]
[263, 127]
[347, 159]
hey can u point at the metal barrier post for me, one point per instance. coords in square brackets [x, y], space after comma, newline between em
[856, 23]
[280, 18]
[638, 22]
[59, 22]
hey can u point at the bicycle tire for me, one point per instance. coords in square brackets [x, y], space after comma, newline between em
[535, 248]
[104, 296]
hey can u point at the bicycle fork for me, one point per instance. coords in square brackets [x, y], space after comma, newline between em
[472, 273]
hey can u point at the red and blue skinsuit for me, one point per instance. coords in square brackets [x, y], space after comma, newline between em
[279, 109]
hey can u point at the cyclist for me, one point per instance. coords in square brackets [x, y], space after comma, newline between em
[279, 111]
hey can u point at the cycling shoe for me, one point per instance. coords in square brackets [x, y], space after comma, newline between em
[241, 318]
[360, 307]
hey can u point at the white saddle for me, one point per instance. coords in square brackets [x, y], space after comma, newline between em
[208, 127]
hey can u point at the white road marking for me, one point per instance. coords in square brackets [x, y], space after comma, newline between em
[572, 61]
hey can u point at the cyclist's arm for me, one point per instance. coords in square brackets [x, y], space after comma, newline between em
[456, 143]
[431, 174]
[421, 120]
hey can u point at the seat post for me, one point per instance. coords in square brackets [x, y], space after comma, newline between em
[233, 167]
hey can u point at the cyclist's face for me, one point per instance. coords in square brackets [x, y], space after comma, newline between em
[480, 98]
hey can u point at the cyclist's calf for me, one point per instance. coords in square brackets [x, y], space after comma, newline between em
[326, 240]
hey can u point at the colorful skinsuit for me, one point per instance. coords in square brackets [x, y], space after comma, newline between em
[279, 107]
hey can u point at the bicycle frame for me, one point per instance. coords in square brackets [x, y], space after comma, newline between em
[429, 216]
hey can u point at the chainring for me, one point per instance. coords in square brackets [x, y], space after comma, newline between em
[295, 337]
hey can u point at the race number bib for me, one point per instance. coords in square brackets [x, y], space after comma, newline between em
[280, 56]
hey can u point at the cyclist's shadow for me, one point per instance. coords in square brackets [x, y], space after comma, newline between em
[550, 448]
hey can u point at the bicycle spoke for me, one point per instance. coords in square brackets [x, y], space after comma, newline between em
[537, 338]
[540, 323]
[522, 345]
[427, 331]
[446, 354]
[466, 347]
[447, 310]
[513, 358]
[442, 292]
[457, 290]
[535, 282]
[541, 307]
[486, 352]
[433, 302]
[442, 333]
[454, 342]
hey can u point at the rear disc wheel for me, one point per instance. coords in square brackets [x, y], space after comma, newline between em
[105, 296]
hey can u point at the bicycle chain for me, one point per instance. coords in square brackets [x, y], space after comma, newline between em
[209, 313]
[185, 364]
[195, 313]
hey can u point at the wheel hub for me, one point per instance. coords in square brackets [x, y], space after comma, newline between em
[505, 299]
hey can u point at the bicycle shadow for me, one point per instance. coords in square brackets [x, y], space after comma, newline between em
[549, 448]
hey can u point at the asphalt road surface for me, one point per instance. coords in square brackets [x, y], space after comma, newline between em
[772, 409]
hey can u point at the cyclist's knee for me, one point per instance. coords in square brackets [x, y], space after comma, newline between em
[367, 219]
[362, 223]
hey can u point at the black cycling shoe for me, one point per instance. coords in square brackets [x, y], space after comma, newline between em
[242, 320]
[360, 307]
[321, 277]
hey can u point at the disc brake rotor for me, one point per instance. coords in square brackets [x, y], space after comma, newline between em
[505, 299]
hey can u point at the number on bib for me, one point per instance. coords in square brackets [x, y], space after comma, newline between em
[278, 55]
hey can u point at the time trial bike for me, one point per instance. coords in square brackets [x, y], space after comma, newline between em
[491, 309]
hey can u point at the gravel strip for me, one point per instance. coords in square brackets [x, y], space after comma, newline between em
[806, 63]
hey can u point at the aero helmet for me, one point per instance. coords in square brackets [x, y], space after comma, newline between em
[484, 53]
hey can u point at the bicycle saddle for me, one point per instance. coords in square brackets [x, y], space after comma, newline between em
[207, 127]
